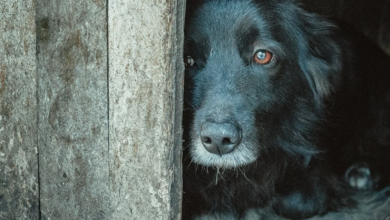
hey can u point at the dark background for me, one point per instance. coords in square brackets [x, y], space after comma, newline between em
[372, 18]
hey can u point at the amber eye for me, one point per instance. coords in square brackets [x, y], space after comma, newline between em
[263, 57]
[189, 61]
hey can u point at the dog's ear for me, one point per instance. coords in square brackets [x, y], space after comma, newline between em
[317, 43]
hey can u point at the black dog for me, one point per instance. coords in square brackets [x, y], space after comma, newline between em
[283, 104]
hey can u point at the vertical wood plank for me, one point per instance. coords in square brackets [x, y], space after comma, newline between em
[73, 111]
[18, 112]
[145, 93]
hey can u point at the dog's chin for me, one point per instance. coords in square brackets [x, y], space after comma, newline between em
[241, 156]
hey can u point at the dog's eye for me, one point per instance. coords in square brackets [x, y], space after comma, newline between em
[189, 61]
[263, 57]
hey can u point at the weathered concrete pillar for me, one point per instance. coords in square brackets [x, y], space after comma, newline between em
[19, 188]
[145, 94]
[90, 110]
[73, 109]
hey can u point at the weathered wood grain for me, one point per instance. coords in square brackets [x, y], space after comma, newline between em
[145, 95]
[73, 113]
[19, 189]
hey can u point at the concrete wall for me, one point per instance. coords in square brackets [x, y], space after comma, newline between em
[73, 111]
[19, 189]
[145, 59]
[90, 109]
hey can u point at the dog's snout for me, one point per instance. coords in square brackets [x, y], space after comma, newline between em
[220, 138]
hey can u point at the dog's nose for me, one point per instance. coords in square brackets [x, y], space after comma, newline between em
[220, 138]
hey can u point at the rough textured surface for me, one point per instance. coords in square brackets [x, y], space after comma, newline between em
[73, 114]
[145, 80]
[54, 100]
[18, 112]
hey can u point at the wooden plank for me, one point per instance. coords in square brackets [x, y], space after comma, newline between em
[73, 118]
[19, 189]
[145, 95]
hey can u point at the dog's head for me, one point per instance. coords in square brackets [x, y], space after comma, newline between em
[258, 73]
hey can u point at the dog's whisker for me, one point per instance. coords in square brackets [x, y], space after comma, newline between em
[243, 173]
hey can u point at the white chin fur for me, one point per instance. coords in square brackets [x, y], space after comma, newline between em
[241, 156]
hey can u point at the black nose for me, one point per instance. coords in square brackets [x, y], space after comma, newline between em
[220, 138]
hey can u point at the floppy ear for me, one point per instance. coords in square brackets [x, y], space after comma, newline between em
[320, 55]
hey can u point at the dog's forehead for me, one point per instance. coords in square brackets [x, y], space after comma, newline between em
[220, 21]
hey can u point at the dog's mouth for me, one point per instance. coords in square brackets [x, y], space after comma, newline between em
[242, 155]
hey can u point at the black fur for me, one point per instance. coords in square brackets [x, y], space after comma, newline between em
[303, 119]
